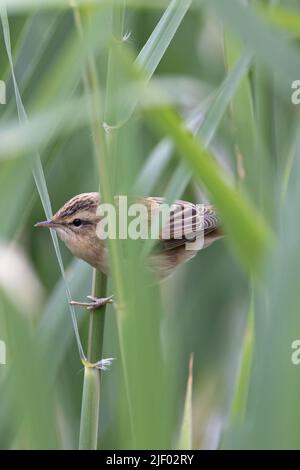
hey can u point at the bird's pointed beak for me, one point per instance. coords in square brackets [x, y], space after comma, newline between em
[46, 223]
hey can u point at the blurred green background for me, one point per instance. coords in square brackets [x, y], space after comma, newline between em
[225, 70]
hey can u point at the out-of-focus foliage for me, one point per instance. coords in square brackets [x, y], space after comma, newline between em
[224, 71]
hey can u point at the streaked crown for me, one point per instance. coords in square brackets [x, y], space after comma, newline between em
[83, 206]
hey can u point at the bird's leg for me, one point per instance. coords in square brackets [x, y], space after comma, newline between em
[95, 303]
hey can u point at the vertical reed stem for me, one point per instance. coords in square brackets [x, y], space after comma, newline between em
[89, 422]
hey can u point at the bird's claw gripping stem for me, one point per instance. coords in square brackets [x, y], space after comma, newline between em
[95, 303]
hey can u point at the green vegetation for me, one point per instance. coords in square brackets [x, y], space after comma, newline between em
[183, 99]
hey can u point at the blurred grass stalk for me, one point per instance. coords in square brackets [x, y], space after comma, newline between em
[241, 389]
[247, 169]
[186, 433]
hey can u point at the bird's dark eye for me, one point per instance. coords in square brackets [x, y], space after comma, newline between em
[77, 222]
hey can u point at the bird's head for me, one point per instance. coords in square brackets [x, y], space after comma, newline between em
[76, 224]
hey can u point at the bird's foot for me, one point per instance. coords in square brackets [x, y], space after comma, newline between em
[95, 303]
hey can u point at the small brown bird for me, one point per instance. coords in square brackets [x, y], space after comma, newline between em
[77, 224]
